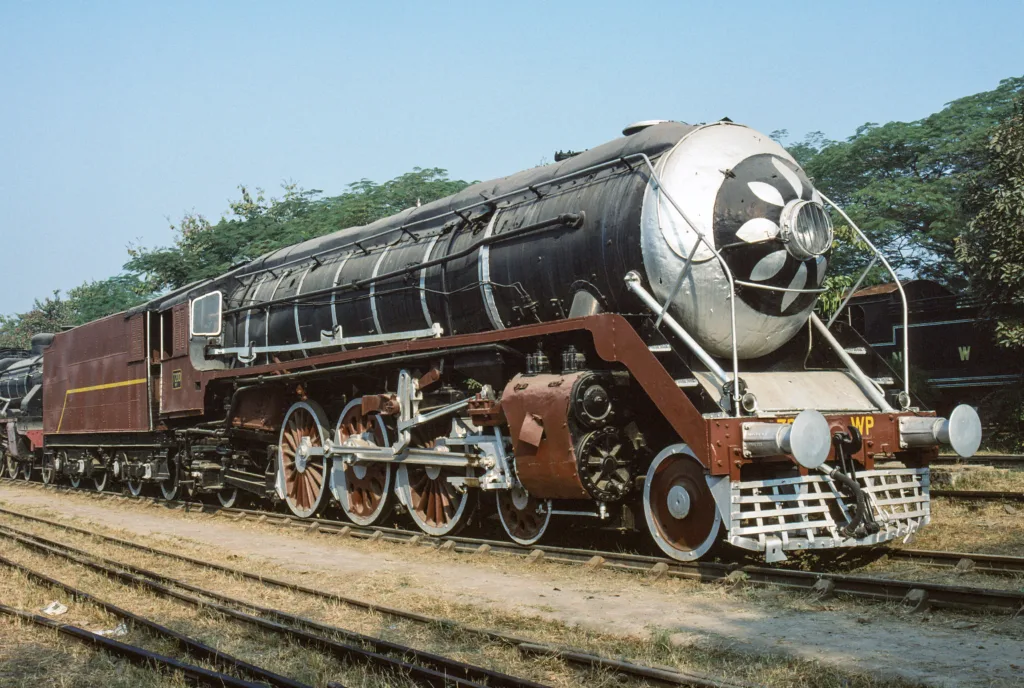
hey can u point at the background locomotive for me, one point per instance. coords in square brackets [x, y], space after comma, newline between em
[958, 358]
[626, 335]
[21, 407]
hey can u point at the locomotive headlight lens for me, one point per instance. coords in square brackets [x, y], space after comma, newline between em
[806, 229]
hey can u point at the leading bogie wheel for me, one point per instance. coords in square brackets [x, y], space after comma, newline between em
[362, 489]
[12, 466]
[680, 510]
[301, 472]
[524, 517]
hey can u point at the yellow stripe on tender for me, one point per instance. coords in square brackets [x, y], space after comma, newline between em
[95, 388]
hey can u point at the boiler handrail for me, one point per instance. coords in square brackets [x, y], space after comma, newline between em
[899, 286]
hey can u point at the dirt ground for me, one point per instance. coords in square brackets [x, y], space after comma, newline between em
[931, 649]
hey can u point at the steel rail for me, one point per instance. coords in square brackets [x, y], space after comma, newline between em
[186, 643]
[137, 655]
[1005, 460]
[448, 673]
[980, 495]
[868, 587]
[975, 562]
[636, 563]
[527, 647]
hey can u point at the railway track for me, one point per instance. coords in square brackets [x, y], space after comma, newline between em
[135, 654]
[138, 654]
[992, 564]
[423, 668]
[916, 594]
[980, 495]
[270, 619]
[996, 460]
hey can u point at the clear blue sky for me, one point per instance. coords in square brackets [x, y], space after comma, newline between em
[117, 115]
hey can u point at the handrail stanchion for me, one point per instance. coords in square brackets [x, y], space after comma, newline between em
[853, 290]
[899, 285]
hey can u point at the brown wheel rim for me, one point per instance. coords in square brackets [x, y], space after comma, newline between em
[437, 507]
[304, 475]
[362, 489]
[523, 516]
[680, 509]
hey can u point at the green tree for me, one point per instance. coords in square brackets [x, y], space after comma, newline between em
[93, 300]
[49, 315]
[902, 182]
[258, 225]
[991, 248]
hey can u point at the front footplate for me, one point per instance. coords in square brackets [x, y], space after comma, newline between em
[808, 512]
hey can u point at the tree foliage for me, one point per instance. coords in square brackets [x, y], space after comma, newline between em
[200, 249]
[902, 182]
[258, 225]
[991, 248]
[48, 315]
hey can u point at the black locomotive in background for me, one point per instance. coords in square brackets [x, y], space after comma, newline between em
[956, 357]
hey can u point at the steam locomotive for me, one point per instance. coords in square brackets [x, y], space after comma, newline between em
[21, 407]
[626, 336]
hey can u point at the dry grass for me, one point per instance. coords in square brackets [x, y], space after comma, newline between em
[688, 654]
[983, 527]
[968, 477]
[268, 650]
[32, 656]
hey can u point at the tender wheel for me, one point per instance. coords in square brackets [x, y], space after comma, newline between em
[99, 479]
[75, 480]
[227, 497]
[26, 472]
[12, 467]
[134, 486]
[524, 517]
[169, 487]
[46, 471]
[301, 475]
[678, 504]
[363, 489]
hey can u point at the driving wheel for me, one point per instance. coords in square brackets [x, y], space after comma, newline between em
[302, 474]
[363, 489]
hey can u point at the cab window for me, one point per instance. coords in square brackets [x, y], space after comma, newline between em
[206, 315]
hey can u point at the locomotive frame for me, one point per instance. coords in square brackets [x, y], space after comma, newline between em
[307, 375]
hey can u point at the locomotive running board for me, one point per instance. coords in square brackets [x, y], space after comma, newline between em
[328, 338]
